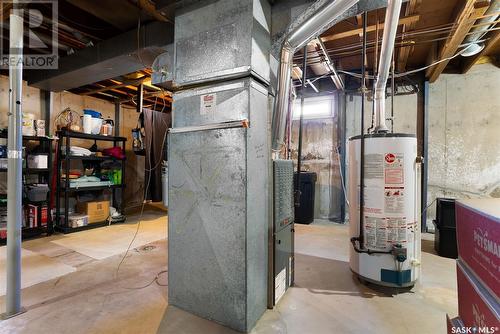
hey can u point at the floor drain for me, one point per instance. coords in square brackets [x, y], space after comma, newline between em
[147, 248]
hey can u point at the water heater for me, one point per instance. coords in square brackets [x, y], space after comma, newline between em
[386, 244]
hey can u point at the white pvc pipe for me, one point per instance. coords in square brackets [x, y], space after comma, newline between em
[386, 51]
[15, 168]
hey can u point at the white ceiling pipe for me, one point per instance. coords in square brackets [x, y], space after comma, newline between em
[298, 38]
[386, 51]
[479, 32]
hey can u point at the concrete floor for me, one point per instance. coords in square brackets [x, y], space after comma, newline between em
[326, 299]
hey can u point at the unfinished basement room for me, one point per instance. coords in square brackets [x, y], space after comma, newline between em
[250, 166]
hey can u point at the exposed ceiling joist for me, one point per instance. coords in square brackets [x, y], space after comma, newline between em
[491, 44]
[470, 11]
[120, 14]
[412, 8]
[119, 85]
[357, 31]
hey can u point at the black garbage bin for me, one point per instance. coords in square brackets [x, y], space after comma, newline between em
[445, 233]
[304, 214]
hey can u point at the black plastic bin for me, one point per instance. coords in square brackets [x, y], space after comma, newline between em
[304, 214]
[445, 241]
[445, 212]
[445, 235]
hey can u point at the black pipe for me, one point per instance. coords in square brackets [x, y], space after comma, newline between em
[299, 150]
[362, 155]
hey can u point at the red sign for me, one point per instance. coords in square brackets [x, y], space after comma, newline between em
[390, 158]
[478, 239]
[476, 307]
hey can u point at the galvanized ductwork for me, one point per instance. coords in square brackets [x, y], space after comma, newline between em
[387, 49]
[293, 41]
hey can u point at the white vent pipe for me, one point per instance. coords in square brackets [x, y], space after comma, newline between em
[299, 37]
[386, 51]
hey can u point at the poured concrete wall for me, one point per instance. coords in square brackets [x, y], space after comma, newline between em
[464, 135]
[319, 155]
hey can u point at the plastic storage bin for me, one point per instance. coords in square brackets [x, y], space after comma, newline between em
[445, 241]
[37, 192]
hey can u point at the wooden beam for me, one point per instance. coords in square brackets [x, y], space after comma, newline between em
[490, 44]
[357, 31]
[118, 85]
[470, 11]
[412, 8]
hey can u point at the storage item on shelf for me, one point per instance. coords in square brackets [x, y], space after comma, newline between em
[68, 119]
[44, 214]
[97, 211]
[88, 181]
[115, 152]
[77, 220]
[40, 127]
[77, 151]
[31, 215]
[3, 163]
[3, 151]
[28, 124]
[87, 124]
[39, 161]
[107, 127]
[92, 113]
[37, 192]
[96, 125]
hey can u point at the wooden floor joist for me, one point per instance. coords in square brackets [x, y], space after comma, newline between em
[467, 15]
[357, 31]
[412, 7]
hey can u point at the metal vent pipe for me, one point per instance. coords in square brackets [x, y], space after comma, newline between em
[296, 39]
[386, 51]
[491, 16]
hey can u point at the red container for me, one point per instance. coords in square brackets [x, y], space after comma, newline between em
[476, 307]
[478, 237]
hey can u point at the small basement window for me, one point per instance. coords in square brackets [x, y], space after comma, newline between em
[315, 107]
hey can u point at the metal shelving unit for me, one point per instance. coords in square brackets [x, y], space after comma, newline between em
[65, 190]
[44, 176]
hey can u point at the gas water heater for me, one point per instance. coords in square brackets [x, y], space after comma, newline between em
[386, 243]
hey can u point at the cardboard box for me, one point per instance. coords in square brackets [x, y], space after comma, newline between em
[476, 306]
[38, 161]
[32, 216]
[97, 211]
[44, 215]
[478, 238]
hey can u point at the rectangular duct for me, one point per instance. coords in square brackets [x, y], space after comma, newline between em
[218, 209]
[222, 39]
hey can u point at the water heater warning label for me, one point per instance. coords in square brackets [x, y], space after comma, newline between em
[394, 168]
[394, 200]
[375, 232]
[381, 233]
